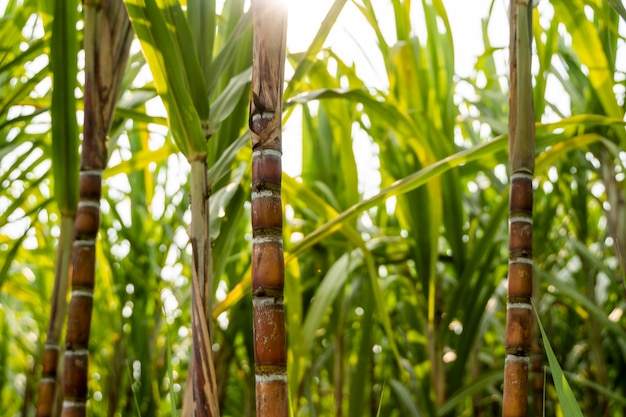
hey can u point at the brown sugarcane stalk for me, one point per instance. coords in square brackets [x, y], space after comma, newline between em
[270, 350]
[51, 378]
[107, 40]
[521, 160]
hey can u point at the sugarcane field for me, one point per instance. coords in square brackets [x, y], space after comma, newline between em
[331, 208]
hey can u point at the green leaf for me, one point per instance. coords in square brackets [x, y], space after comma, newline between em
[404, 395]
[227, 101]
[229, 52]
[566, 396]
[63, 63]
[587, 44]
[618, 6]
[187, 54]
[202, 20]
[327, 292]
[163, 55]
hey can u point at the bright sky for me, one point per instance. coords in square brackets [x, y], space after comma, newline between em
[465, 16]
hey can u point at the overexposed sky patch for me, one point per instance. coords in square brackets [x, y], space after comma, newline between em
[354, 41]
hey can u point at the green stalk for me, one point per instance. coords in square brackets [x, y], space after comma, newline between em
[203, 379]
[518, 338]
[185, 96]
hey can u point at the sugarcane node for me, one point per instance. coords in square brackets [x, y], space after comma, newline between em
[263, 132]
[270, 369]
[260, 115]
[265, 184]
[519, 250]
[206, 129]
[258, 125]
[519, 351]
[197, 156]
[260, 291]
[74, 410]
[516, 254]
[522, 299]
[92, 3]
[273, 178]
[273, 233]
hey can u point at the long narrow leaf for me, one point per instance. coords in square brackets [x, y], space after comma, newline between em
[63, 60]
[566, 396]
[160, 49]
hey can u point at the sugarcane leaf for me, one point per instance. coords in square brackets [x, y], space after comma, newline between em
[618, 6]
[404, 395]
[587, 44]
[360, 372]
[23, 199]
[226, 102]
[566, 396]
[163, 56]
[229, 51]
[475, 387]
[140, 160]
[63, 63]
[139, 116]
[589, 306]
[202, 18]
[222, 167]
[170, 372]
[19, 93]
[421, 177]
[17, 243]
[601, 389]
[332, 283]
[10, 256]
[187, 54]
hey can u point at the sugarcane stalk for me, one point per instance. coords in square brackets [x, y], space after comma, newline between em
[48, 403]
[270, 351]
[63, 58]
[521, 163]
[204, 386]
[107, 41]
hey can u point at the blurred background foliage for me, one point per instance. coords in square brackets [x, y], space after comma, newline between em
[395, 218]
